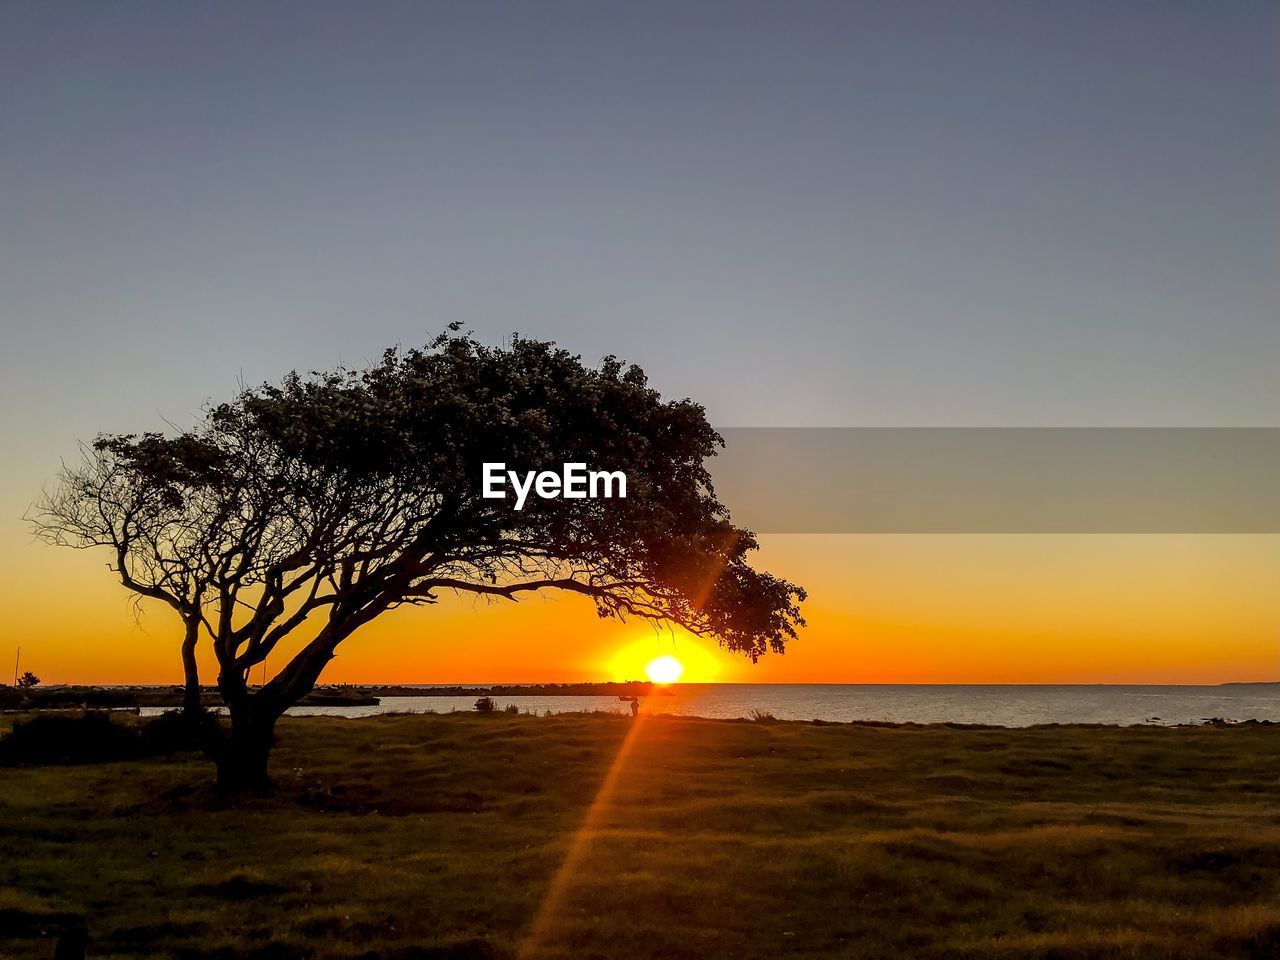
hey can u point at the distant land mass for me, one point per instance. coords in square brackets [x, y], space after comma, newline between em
[629, 688]
[125, 697]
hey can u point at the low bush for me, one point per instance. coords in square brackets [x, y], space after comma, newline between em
[95, 737]
[91, 737]
[173, 732]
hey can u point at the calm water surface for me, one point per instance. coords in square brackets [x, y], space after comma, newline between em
[1004, 705]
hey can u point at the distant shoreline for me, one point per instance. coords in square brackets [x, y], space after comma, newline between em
[146, 696]
[103, 696]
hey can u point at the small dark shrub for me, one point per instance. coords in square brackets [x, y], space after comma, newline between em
[512, 708]
[486, 705]
[1263, 944]
[93, 737]
[172, 732]
[86, 738]
[240, 886]
[762, 716]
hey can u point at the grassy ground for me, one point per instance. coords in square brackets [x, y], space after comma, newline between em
[471, 836]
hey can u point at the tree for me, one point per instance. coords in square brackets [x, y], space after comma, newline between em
[28, 680]
[164, 507]
[305, 509]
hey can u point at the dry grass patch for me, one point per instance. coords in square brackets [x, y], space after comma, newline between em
[410, 837]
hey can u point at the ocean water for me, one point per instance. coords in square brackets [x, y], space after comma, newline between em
[1002, 705]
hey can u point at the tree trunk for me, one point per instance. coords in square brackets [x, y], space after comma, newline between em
[242, 756]
[191, 706]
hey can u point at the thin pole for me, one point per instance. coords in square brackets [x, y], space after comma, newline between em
[17, 660]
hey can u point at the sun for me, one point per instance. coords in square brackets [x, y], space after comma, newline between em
[665, 669]
[662, 660]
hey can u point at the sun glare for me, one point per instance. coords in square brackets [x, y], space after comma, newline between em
[690, 659]
[664, 669]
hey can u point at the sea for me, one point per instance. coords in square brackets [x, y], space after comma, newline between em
[1007, 705]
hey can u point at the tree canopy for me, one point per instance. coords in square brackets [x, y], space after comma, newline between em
[324, 500]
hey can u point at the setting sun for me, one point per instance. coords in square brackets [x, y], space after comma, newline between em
[684, 658]
[665, 669]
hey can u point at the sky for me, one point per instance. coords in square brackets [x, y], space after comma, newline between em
[800, 214]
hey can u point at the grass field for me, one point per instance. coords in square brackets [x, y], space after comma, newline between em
[592, 836]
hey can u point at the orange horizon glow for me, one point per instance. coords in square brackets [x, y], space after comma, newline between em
[882, 609]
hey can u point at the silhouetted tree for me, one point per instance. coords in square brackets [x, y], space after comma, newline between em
[28, 680]
[313, 506]
[166, 510]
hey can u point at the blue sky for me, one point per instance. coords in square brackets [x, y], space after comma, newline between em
[847, 213]
[804, 213]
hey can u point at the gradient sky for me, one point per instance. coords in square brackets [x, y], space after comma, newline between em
[848, 213]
